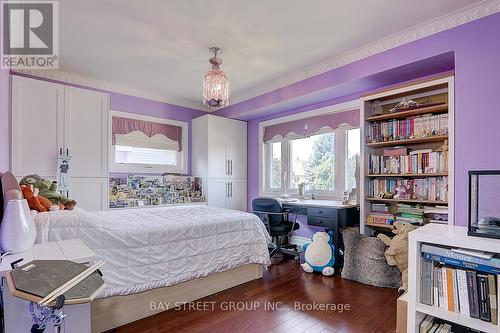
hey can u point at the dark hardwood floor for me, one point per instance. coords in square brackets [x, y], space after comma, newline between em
[294, 294]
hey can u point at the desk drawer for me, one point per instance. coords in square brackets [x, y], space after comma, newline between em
[321, 212]
[325, 222]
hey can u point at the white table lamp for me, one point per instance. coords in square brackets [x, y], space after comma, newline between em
[17, 231]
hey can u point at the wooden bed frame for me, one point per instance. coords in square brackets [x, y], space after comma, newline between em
[111, 312]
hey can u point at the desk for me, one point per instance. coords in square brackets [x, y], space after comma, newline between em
[16, 311]
[328, 214]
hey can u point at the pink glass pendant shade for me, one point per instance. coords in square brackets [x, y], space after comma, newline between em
[215, 84]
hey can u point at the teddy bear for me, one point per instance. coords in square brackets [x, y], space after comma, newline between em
[319, 255]
[48, 189]
[35, 201]
[397, 253]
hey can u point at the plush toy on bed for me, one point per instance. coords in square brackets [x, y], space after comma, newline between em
[37, 202]
[48, 188]
[319, 255]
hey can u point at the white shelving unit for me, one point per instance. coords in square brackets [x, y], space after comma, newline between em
[450, 236]
[420, 90]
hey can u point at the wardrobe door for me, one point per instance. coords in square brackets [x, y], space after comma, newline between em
[217, 192]
[86, 118]
[236, 147]
[237, 196]
[217, 158]
[37, 123]
[90, 194]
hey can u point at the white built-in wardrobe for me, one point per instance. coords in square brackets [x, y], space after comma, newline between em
[49, 119]
[219, 156]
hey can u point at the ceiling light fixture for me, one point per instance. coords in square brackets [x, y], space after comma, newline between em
[215, 83]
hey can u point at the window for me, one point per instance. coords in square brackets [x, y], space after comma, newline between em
[149, 156]
[352, 158]
[275, 174]
[326, 163]
[136, 152]
[312, 161]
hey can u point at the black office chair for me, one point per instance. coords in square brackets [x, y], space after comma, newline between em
[278, 224]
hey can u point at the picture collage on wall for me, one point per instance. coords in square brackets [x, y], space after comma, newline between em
[141, 191]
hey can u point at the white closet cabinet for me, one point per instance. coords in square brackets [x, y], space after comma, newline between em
[90, 193]
[49, 119]
[219, 156]
[37, 126]
[85, 137]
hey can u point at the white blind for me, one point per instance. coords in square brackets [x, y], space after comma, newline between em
[140, 140]
[133, 155]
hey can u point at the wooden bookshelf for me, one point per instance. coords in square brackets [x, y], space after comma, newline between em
[435, 138]
[414, 201]
[438, 91]
[402, 175]
[436, 109]
[380, 225]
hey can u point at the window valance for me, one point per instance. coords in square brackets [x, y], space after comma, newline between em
[122, 126]
[302, 128]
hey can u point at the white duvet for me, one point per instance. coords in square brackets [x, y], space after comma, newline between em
[156, 247]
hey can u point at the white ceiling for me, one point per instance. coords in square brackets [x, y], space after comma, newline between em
[162, 46]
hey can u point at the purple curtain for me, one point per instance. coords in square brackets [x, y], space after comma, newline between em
[126, 125]
[310, 126]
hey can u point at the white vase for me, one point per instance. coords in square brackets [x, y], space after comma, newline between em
[17, 231]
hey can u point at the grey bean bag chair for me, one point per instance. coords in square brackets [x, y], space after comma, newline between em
[364, 261]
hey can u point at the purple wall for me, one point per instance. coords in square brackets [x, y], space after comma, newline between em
[117, 101]
[4, 120]
[476, 49]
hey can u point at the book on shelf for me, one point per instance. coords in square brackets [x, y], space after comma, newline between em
[417, 162]
[461, 290]
[455, 255]
[484, 297]
[430, 188]
[378, 218]
[431, 324]
[409, 128]
[380, 208]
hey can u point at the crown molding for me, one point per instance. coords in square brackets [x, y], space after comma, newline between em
[449, 21]
[442, 23]
[70, 78]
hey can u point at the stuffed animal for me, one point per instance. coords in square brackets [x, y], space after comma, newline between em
[35, 201]
[397, 253]
[48, 189]
[319, 255]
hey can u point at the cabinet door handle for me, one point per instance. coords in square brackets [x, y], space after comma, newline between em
[67, 151]
[227, 190]
[231, 189]
[227, 167]
[60, 151]
[231, 169]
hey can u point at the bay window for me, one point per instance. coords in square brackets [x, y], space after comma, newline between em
[324, 160]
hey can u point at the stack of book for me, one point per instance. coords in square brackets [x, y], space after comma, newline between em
[430, 325]
[379, 218]
[436, 214]
[410, 214]
[397, 161]
[430, 188]
[414, 127]
[461, 283]
[380, 208]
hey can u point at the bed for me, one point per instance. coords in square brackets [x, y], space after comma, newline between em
[165, 254]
